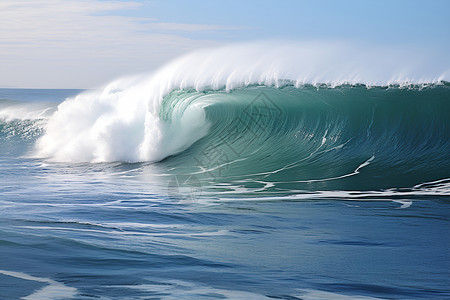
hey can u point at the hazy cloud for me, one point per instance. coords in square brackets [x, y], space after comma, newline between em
[77, 43]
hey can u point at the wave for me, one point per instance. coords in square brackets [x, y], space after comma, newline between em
[313, 137]
[21, 120]
[313, 113]
[12, 110]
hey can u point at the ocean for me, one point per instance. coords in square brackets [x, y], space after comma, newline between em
[226, 189]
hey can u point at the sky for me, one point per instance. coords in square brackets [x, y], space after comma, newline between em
[86, 43]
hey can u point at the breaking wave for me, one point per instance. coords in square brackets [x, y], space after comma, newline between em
[312, 112]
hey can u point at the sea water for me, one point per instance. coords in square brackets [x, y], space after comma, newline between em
[226, 188]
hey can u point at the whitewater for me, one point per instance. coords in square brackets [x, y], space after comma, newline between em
[264, 170]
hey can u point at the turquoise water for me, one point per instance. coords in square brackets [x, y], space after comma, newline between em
[309, 192]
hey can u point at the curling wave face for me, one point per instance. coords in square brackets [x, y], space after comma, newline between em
[314, 136]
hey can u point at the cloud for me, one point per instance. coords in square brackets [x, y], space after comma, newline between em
[43, 21]
[41, 40]
[191, 27]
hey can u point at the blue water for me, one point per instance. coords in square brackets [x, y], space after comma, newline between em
[37, 95]
[162, 230]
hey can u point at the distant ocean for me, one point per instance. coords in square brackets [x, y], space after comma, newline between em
[229, 187]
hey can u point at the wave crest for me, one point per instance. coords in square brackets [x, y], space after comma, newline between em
[127, 120]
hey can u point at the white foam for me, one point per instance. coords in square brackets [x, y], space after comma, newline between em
[310, 294]
[54, 290]
[436, 188]
[121, 121]
[123, 232]
[26, 111]
[178, 289]
[404, 203]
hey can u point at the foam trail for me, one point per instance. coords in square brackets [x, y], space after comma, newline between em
[122, 121]
[176, 289]
[54, 289]
[309, 294]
